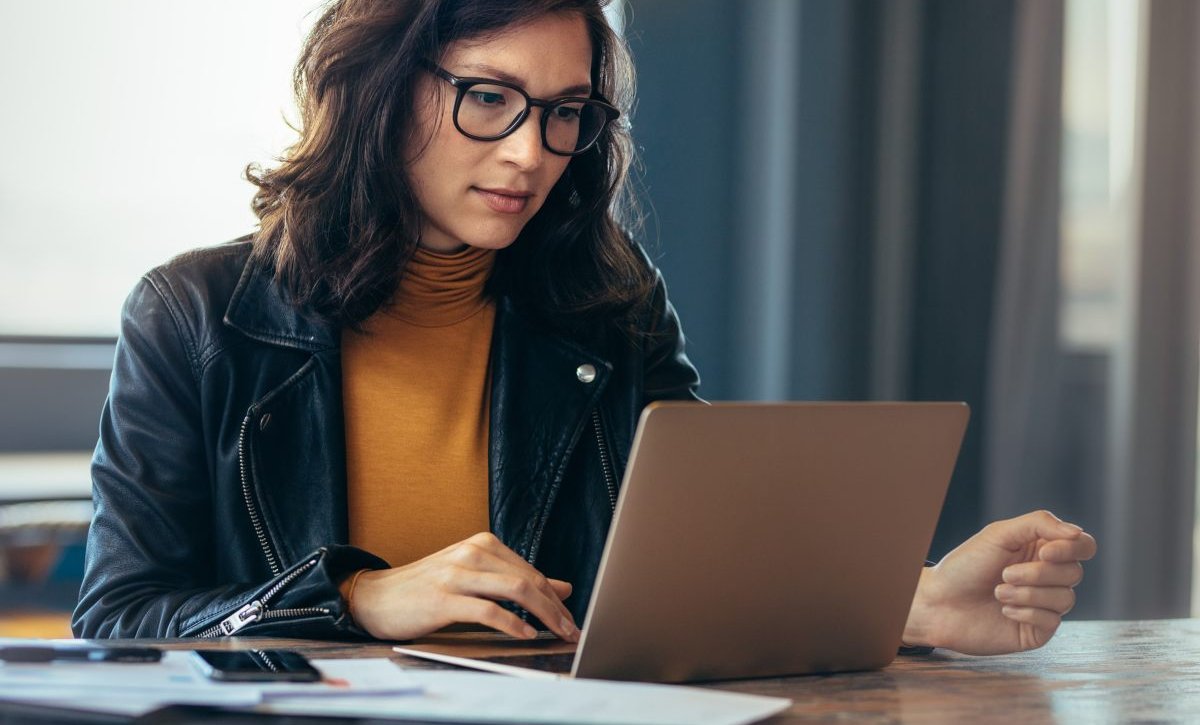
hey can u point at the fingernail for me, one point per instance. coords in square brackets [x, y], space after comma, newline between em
[529, 632]
[1006, 575]
[1008, 611]
[566, 626]
[1072, 528]
[1004, 592]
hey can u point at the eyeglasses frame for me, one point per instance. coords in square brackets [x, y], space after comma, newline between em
[462, 84]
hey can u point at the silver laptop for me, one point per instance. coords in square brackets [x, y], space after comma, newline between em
[760, 539]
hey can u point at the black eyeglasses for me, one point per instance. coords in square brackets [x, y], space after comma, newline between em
[488, 110]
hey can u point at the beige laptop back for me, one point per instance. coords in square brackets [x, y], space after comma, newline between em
[759, 539]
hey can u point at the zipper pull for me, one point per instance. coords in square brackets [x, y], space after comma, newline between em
[252, 612]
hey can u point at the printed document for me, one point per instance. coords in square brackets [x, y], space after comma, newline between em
[483, 697]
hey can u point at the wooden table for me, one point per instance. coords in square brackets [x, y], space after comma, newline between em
[1090, 672]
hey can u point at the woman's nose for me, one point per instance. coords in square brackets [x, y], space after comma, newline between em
[523, 147]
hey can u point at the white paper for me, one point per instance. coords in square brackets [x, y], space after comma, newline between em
[135, 688]
[478, 697]
[346, 677]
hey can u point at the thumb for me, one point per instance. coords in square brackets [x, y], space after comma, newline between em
[1016, 533]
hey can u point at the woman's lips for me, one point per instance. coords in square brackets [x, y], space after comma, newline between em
[504, 201]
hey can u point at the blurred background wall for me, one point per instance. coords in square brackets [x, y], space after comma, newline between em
[989, 201]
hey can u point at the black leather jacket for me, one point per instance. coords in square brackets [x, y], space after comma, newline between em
[219, 479]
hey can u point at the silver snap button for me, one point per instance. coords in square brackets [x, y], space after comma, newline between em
[264, 421]
[586, 373]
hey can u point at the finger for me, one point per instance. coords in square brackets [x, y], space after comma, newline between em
[505, 560]
[485, 552]
[561, 588]
[1015, 534]
[492, 544]
[521, 591]
[1057, 599]
[469, 555]
[1081, 548]
[474, 551]
[1043, 574]
[1043, 621]
[489, 614]
[479, 539]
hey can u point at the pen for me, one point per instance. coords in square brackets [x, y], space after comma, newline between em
[27, 654]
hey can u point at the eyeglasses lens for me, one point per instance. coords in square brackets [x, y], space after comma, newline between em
[489, 111]
[573, 126]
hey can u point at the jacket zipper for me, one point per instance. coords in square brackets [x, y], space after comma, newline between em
[605, 460]
[248, 496]
[609, 483]
[606, 465]
[257, 611]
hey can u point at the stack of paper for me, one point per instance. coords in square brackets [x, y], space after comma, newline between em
[378, 688]
[135, 688]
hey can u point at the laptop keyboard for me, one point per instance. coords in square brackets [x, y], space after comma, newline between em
[560, 663]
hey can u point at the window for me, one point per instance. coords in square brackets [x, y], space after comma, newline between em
[126, 129]
[1098, 216]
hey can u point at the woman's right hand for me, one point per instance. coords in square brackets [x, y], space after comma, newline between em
[461, 583]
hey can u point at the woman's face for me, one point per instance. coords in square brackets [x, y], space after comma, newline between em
[482, 193]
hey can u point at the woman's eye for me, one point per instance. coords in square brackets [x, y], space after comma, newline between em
[566, 113]
[487, 98]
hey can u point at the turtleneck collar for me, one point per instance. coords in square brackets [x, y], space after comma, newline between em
[443, 288]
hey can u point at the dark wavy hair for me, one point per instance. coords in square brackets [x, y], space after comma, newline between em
[338, 216]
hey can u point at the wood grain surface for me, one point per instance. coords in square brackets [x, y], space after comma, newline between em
[1090, 672]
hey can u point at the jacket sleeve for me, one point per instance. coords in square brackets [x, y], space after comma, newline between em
[667, 373]
[149, 570]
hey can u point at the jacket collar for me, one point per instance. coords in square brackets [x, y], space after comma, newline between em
[544, 388]
[540, 404]
[263, 310]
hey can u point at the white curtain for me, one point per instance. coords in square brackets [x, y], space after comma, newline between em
[1151, 481]
[1145, 488]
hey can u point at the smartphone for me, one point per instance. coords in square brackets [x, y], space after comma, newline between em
[75, 652]
[258, 665]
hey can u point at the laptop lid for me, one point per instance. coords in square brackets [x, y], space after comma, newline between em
[764, 539]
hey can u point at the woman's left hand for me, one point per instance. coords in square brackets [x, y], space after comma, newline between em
[1003, 590]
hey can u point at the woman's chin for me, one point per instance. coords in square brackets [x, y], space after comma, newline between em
[449, 245]
[492, 241]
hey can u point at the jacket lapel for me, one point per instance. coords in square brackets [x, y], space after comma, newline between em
[540, 406]
[297, 446]
[294, 437]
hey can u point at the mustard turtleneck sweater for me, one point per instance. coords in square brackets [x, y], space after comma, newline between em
[415, 388]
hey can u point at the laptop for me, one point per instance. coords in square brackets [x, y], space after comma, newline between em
[759, 540]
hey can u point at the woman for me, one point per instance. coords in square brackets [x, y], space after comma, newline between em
[434, 350]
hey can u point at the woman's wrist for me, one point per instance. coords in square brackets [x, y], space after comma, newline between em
[347, 589]
[920, 628]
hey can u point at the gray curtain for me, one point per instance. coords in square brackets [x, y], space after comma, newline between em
[859, 199]
[1023, 412]
[825, 180]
